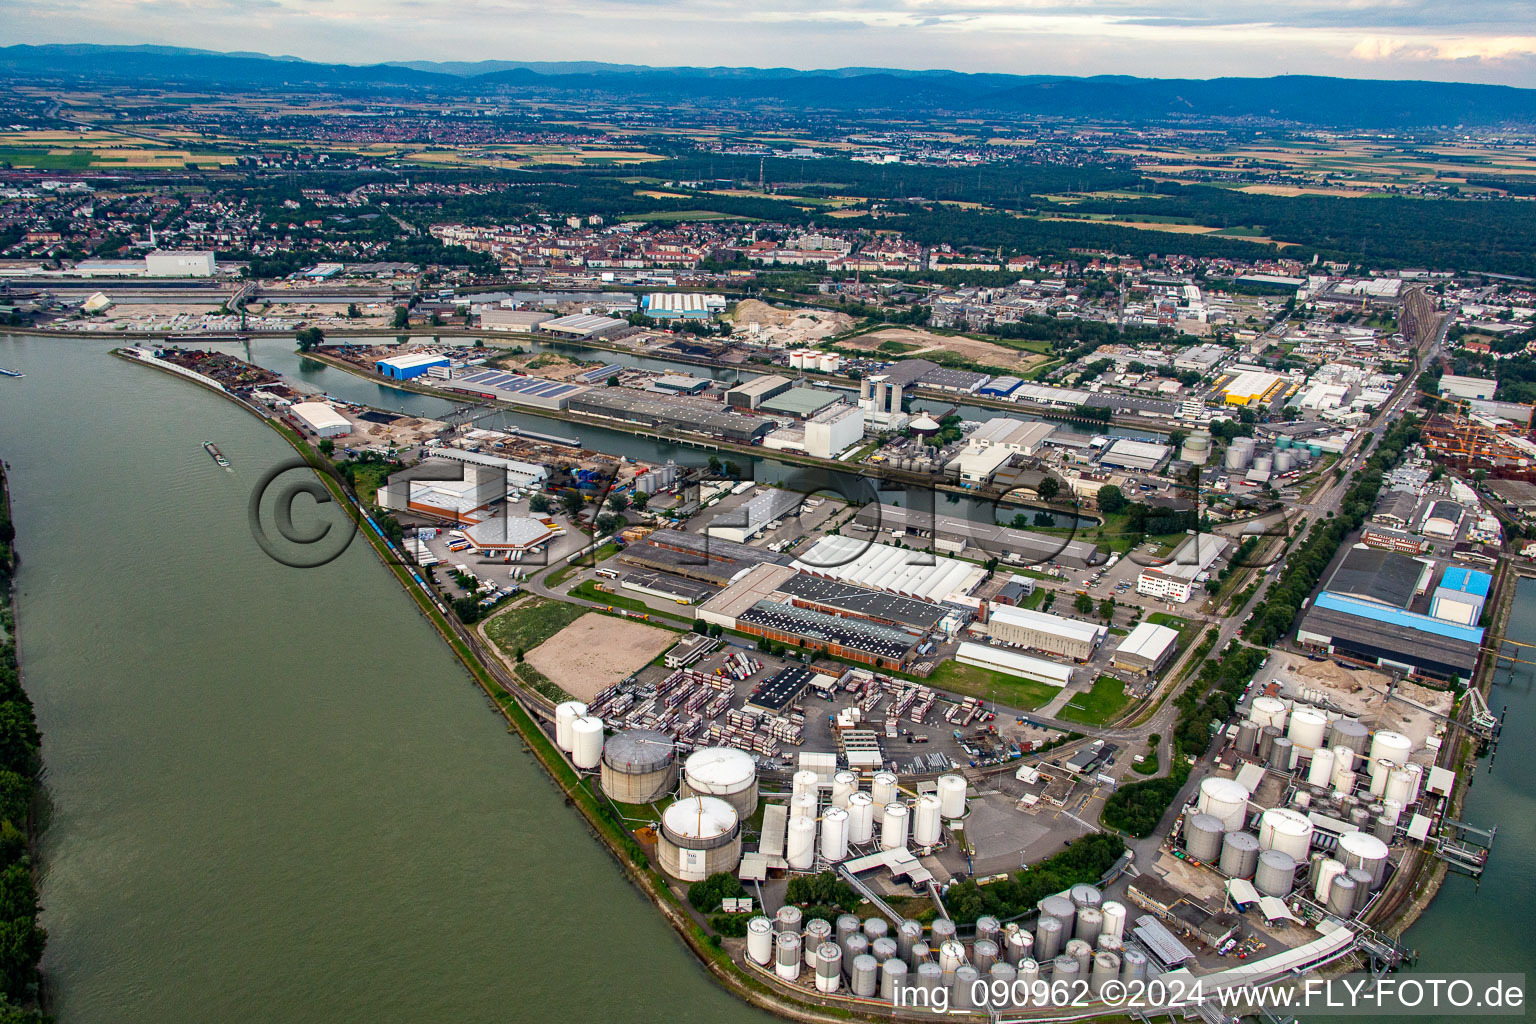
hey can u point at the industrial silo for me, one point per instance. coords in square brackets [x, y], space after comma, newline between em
[1004, 974]
[1082, 952]
[1239, 854]
[1202, 837]
[943, 931]
[883, 790]
[817, 931]
[952, 796]
[829, 967]
[845, 926]
[1399, 785]
[930, 978]
[1327, 873]
[1346, 732]
[856, 946]
[1276, 873]
[876, 928]
[723, 772]
[988, 928]
[1029, 973]
[893, 830]
[1021, 944]
[1065, 970]
[1286, 830]
[1341, 897]
[864, 979]
[908, 934]
[1108, 942]
[786, 962]
[1320, 771]
[760, 941]
[1362, 879]
[639, 766]
[787, 919]
[1090, 922]
[1268, 711]
[844, 785]
[1224, 799]
[1133, 966]
[587, 742]
[834, 835]
[1084, 895]
[1114, 918]
[565, 714]
[1363, 850]
[1105, 968]
[921, 954]
[800, 850]
[699, 836]
[804, 783]
[927, 824]
[802, 805]
[893, 980]
[964, 987]
[1267, 736]
[861, 818]
[1048, 938]
[1247, 737]
[1393, 746]
[984, 954]
[884, 949]
[1282, 754]
[1308, 728]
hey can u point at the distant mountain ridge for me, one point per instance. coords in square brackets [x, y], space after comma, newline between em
[1302, 99]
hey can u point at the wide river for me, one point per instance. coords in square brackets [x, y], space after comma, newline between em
[277, 797]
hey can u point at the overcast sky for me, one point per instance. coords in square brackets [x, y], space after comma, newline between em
[1461, 40]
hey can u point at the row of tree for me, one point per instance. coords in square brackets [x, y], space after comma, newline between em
[1086, 860]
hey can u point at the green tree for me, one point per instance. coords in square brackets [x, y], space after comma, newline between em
[1107, 609]
[1048, 488]
[1083, 603]
[402, 317]
[352, 311]
[539, 503]
[572, 501]
[618, 502]
[640, 500]
[1111, 499]
[310, 338]
[715, 465]
[326, 446]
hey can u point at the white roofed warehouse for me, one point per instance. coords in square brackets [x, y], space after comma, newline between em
[318, 419]
[1014, 664]
[1146, 649]
[1042, 631]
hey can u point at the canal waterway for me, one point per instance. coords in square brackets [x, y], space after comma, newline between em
[275, 794]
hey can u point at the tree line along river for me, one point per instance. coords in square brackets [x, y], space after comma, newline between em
[276, 795]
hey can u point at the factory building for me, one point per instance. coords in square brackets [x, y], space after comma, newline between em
[1252, 386]
[856, 640]
[711, 560]
[834, 430]
[1467, 387]
[408, 365]
[504, 535]
[749, 394]
[851, 606]
[681, 305]
[514, 321]
[995, 659]
[679, 413]
[800, 403]
[1042, 631]
[1147, 648]
[954, 534]
[516, 388]
[583, 326]
[880, 397]
[750, 518]
[977, 466]
[1460, 596]
[1023, 436]
[1385, 577]
[518, 474]
[178, 263]
[915, 574]
[1000, 387]
[1191, 561]
[318, 419]
[1127, 454]
[1379, 634]
[464, 498]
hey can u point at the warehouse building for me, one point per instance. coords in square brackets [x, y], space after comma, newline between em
[1461, 595]
[1023, 436]
[516, 388]
[1042, 631]
[179, 263]
[785, 585]
[504, 535]
[318, 419]
[953, 534]
[583, 325]
[915, 574]
[801, 403]
[1147, 649]
[514, 321]
[465, 499]
[751, 517]
[749, 394]
[1467, 387]
[681, 305]
[1252, 386]
[1190, 564]
[679, 412]
[711, 560]
[518, 474]
[857, 640]
[995, 659]
[1386, 577]
[408, 365]
[1382, 635]
[977, 466]
[1127, 454]
[1000, 387]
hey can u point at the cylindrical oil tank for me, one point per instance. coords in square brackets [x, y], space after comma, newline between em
[1048, 932]
[1393, 746]
[908, 933]
[921, 953]
[723, 772]
[1084, 895]
[1237, 459]
[893, 979]
[846, 926]
[1064, 969]
[1399, 785]
[1090, 923]
[927, 824]
[1082, 952]
[1114, 918]
[963, 986]
[786, 962]
[844, 785]
[1343, 761]
[1264, 463]
[802, 805]
[1029, 973]
[1268, 711]
[1416, 773]
[952, 796]
[1301, 800]
[1239, 854]
[861, 818]
[1267, 736]
[876, 928]
[1347, 732]
[787, 919]
[988, 928]
[1247, 737]
[1359, 816]
[699, 837]
[883, 790]
[893, 830]
[1282, 754]
[817, 931]
[1062, 909]
[760, 941]
[929, 977]
[639, 766]
[1362, 879]
[587, 742]
[800, 851]
[884, 948]
[1108, 942]
[565, 714]
[1133, 966]
[1021, 944]
[834, 835]
[804, 783]
[1225, 799]
[1202, 837]
[943, 931]
[1307, 728]
[1326, 875]
[1344, 784]
[1320, 773]
[829, 967]
[1276, 873]
[984, 954]
[1287, 830]
[864, 980]
[1363, 850]
[1003, 974]
[951, 956]
[1341, 897]
[857, 946]
[1106, 968]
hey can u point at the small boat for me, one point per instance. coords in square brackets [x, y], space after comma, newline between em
[10, 373]
[218, 456]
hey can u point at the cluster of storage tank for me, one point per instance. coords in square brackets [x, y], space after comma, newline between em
[579, 734]
[850, 818]
[1334, 752]
[1077, 936]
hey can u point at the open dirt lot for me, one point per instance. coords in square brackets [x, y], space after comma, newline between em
[597, 651]
[985, 352]
[788, 326]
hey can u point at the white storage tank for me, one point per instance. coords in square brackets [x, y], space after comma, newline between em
[1393, 746]
[565, 714]
[844, 785]
[1114, 918]
[723, 772]
[861, 818]
[952, 796]
[1202, 837]
[1239, 854]
[1400, 785]
[800, 848]
[834, 835]
[1225, 799]
[1268, 711]
[786, 962]
[883, 790]
[1307, 728]
[699, 836]
[587, 742]
[788, 919]
[893, 830]
[802, 805]
[1364, 851]
[1276, 874]
[1286, 830]
[639, 766]
[760, 941]
[927, 823]
[804, 783]
[1320, 773]
[817, 931]
[1326, 874]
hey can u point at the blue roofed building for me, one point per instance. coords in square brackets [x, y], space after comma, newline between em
[1461, 595]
